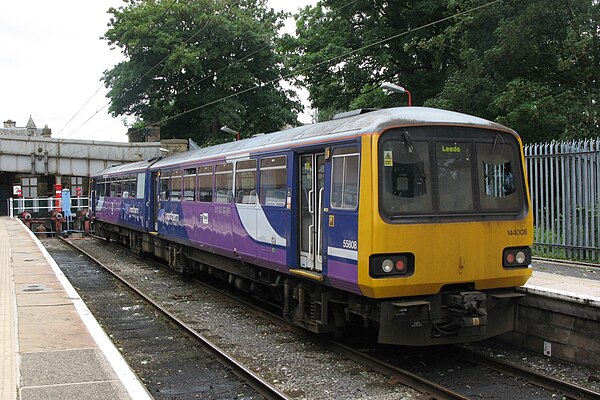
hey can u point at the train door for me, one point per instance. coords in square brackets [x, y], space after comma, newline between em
[312, 197]
[155, 201]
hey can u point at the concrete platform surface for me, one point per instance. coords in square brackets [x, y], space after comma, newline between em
[565, 280]
[51, 347]
[565, 288]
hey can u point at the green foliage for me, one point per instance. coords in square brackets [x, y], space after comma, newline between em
[533, 65]
[336, 27]
[189, 55]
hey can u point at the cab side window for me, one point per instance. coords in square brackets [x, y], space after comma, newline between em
[344, 178]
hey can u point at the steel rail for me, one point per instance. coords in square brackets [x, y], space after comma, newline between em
[428, 389]
[263, 387]
[570, 390]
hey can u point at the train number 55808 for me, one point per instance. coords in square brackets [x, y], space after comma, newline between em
[350, 244]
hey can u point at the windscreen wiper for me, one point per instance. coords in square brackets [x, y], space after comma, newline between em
[411, 149]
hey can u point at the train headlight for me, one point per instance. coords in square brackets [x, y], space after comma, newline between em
[387, 266]
[391, 265]
[516, 257]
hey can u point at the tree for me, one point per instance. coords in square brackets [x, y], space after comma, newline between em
[196, 65]
[336, 29]
[533, 65]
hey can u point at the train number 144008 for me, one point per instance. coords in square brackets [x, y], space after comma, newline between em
[517, 232]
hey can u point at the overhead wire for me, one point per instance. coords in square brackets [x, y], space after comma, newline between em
[143, 37]
[329, 60]
[340, 56]
[201, 79]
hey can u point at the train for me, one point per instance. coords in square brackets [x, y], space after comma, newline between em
[413, 221]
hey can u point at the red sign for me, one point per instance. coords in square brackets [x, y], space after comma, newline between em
[58, 195]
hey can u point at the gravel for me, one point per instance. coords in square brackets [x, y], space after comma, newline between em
[297, 365]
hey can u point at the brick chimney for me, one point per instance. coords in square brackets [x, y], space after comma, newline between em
[10, 124]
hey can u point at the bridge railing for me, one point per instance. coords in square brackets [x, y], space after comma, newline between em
[564, 181]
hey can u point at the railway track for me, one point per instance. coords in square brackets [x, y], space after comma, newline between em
[427, 387]
[256, 382]
[566, 389]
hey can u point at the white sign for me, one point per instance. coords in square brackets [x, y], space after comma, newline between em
[17, 190]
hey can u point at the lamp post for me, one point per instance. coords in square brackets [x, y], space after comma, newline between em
[227, 129]
[397, 89]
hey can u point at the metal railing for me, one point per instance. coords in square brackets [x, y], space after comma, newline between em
[43, 207]
[564, 178]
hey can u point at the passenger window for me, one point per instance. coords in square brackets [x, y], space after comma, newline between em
[205, 184]
[344, 178]
[118, 187]
[176, 185]
[223, 183]
[141, 184]
[189, 184]
[164, 186]
[107, 187]
[125, 187]
[132, 186]
[245, 182]
[273, 181]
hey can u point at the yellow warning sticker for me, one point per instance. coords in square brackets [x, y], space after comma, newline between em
[388, 159]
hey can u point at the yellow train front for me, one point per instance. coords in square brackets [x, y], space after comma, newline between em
[445, 231]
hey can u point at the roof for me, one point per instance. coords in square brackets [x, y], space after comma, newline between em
[137, 166]
[29, 130]
[30, 124]
[353, 126]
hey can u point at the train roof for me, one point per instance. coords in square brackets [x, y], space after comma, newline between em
[345, 127]
[137, 166]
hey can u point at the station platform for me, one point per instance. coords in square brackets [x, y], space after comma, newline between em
[51, 347]
[565, 281]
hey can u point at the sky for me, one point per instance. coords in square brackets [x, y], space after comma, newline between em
[51, 62]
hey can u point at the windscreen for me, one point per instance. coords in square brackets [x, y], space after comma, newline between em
[450, 171]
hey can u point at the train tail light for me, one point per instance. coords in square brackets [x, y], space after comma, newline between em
[392, 265]
[400, 265]
[516, 257]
